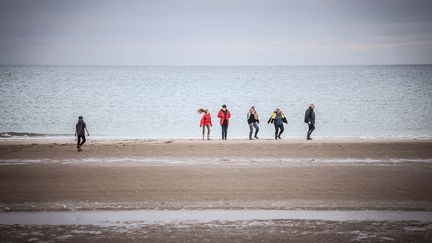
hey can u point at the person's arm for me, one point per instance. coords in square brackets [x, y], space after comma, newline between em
[308, 117]
[88, 134]
[211, 124]
[228, 114]
[269, 120]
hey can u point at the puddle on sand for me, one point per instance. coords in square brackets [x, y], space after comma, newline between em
[172, 216]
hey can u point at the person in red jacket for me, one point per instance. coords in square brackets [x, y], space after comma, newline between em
[205, 122]
[224, 116]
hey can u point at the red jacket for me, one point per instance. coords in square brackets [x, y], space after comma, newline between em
[221, 115]
[206, 120]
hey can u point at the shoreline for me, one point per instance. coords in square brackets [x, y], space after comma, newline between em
[290, 138]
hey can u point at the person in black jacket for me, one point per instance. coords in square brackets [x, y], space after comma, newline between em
[310, 120]
[253, 121]
[80, 130]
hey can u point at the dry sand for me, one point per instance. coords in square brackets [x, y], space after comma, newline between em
[194, 174]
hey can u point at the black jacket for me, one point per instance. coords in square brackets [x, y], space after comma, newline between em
[309, 116]
[251, 118]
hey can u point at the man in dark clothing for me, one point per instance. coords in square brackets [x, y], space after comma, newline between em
[80, 129]
[310, 120]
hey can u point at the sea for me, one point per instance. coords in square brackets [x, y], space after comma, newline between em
[159, 102]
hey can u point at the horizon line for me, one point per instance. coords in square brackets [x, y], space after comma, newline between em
[218, 65]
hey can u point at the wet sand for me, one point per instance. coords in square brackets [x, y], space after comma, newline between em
[271, 175]
[190, 174]
[317, 149]
[233, 231]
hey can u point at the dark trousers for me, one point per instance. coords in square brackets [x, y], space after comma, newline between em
[79, 143]
[277, 128]
[311, 129]
[224, 131]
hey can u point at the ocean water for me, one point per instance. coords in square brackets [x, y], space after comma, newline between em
[162, 101]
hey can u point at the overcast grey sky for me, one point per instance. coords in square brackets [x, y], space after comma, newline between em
[219, 32]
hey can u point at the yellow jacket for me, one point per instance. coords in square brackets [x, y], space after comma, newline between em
[273, 117]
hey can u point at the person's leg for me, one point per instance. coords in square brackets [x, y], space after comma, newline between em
[78, 142]
[208, 132]
[276, 131]
[250, 131]
[83, 140]
[226, 131]
[281, 131]
[256, 129]
[311, 129]
[203, 131]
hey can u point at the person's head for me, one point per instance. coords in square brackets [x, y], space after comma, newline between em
[80, 118]
[278, 110]
[224, 107]
[202, 110]
[312, 106]
[252, 109]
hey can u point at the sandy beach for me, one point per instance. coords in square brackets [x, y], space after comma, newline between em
[39, 175]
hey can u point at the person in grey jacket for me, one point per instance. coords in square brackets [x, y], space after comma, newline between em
[310, 120]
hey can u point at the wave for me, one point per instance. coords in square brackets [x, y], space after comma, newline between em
[20, 134]
[24, 135]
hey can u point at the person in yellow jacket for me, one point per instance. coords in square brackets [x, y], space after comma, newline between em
[278, 119]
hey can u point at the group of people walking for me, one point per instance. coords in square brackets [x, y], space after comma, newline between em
[277, 118]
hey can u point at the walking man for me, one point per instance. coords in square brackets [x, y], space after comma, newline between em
[310, 120]
[80, 129]
[224, 115]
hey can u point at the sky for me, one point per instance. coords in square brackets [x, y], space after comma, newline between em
[218, 32]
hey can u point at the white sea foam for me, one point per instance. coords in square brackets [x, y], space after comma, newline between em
[213, 161]
[118, 217]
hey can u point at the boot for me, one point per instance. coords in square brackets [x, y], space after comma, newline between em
[256, 133]
[250, 135]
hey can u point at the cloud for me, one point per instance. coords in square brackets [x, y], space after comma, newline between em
[215, 32]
